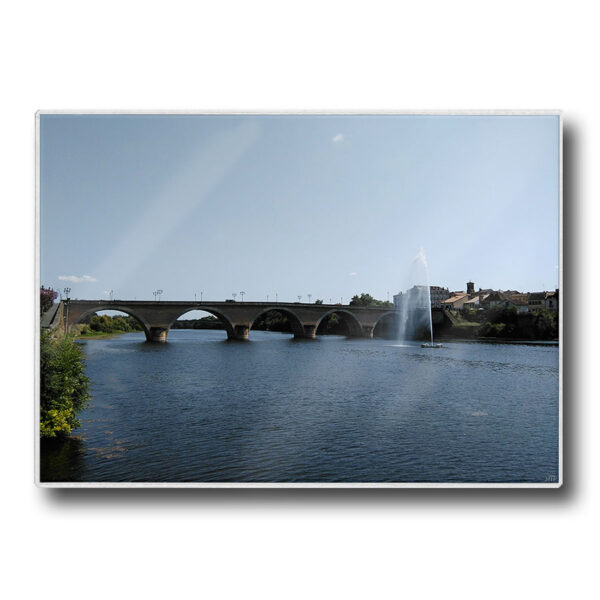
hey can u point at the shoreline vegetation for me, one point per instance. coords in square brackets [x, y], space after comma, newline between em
[500, 323]
[106, 326]
[64, 387]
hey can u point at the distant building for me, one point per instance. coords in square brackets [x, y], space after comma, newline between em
[418, 294]
[552, 301]
[520, 301]
[516, 300]
[493, 299]
[456, 301]
[438, 295]
[536, 301]
[483, 299]
[472, 303]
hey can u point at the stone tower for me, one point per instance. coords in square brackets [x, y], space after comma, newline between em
[470, 287]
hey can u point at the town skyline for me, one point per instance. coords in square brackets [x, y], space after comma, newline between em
[469, 290]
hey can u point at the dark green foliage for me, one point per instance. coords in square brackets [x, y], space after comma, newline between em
[107, 324]
[470, 314]
[273, 320]
[318, 301]
[368, 300]
[507, 323]
[63, 384]
[546, 325]
[208, 322]
[503, 315]
[333, 324]
[492, 329]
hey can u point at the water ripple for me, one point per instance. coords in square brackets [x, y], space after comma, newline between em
[338, 410]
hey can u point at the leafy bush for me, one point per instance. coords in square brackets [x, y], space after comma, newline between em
[273, 320]
[368, 300]
[507, 323]
[492, 329]
[63, 385]
[546, 325]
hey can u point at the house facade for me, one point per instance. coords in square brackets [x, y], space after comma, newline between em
[418, 295]
[455, 302]
[551, 301]
[536, 301]
[438, 295]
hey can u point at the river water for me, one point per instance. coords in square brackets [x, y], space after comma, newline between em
[201, 409]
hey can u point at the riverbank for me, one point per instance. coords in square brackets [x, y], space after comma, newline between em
[102, 326]
[98, 335]
[499, 324]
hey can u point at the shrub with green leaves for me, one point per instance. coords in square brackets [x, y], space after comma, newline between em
[64, 388]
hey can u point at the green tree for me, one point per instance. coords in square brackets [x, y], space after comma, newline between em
[469, 314]
[368, 300]
[64, 388]
[362, 300]
[546, 325]
[115, 324]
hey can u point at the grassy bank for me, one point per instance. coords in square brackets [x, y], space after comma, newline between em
[103, 326]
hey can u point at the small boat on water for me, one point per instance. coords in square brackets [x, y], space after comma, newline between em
[431, 345]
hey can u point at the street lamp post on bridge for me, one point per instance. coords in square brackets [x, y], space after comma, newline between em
[67, 291]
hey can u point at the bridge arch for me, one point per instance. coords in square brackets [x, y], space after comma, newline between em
[386, 320]
[296, 324]
[350, 319]
[112, 307]
[229, 328]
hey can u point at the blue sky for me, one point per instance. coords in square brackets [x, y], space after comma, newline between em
[329, 206]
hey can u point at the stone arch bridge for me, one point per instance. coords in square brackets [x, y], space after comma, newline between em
[157, 318]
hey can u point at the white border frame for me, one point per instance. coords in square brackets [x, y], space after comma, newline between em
[515, 113]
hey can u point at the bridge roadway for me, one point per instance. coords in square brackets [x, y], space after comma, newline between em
[158, 317]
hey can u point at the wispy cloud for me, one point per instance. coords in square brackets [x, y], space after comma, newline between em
[339, 137]
[76, 279]
[352, 274]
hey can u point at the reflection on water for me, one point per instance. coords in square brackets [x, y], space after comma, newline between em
[202, 409]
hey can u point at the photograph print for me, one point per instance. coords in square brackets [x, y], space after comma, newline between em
[299, 299]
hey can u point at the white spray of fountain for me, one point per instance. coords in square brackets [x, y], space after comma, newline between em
[415, 303]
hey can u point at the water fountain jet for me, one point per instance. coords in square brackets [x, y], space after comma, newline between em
[415, 303]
